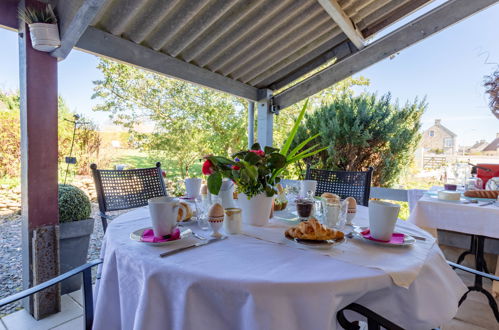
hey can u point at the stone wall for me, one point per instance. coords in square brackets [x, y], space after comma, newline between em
[10, 198]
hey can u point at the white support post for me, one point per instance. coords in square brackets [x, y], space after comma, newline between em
[265, 121]
[251, 123]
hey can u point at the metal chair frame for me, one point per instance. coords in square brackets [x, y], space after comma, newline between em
[343, 183]
[126, 189]
[88, 305]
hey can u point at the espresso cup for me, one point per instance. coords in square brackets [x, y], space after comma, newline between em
[382, 219]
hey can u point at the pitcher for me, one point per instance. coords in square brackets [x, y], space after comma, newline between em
[163, 211]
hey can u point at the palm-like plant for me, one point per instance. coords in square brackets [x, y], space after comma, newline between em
[256, 171]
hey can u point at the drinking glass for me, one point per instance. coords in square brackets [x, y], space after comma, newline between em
[202, 208]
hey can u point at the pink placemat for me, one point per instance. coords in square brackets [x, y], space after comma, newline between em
[397, 238]
[148, 236]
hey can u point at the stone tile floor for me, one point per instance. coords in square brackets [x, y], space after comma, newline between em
[474, 314]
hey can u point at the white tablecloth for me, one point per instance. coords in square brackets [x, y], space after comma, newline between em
[464, 218]
[247, 283]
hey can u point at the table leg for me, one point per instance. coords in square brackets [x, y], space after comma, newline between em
[481, 266]
[470, 251]
[495, 284]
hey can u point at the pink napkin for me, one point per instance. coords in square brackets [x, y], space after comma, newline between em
[148, 236]
[397, 238]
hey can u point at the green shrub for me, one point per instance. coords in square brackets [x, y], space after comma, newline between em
[74, 205]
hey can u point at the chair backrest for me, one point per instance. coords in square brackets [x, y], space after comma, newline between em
[126, 189]
[342, 183]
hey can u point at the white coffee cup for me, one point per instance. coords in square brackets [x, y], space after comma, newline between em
[306, 186]
[163, 211]
[382, 219]
[193, 187]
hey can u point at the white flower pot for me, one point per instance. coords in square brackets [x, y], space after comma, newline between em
[44, 36]
[255, 211]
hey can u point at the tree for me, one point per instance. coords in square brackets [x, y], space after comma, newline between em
[87, 140]
[491, 85]
[189, 120]
[363, 131]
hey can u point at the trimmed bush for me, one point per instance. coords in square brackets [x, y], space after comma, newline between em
[74, 204]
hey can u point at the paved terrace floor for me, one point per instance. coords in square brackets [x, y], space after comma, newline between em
[474, 314]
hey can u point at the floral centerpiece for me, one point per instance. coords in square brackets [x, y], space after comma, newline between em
[256, 172]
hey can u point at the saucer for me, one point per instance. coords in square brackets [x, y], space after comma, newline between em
[137, 235]
[408, 240]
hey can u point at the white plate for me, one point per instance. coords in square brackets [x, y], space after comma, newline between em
[408, 240]
[136, 235]
[325, 244]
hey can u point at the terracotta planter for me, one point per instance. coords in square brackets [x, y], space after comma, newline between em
[44, 36]
[255, 211]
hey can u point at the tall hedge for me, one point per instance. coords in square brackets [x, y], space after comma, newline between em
[363, 131]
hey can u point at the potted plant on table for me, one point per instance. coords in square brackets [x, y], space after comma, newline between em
[42, 27]
[75, 228]
[256, 172]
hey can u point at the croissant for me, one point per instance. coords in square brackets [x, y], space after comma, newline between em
[482, 193]
[184, 212]
[313, 230]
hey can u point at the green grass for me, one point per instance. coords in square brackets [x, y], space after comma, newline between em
[9, 182]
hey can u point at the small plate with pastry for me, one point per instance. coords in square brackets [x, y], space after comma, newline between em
[314, 234]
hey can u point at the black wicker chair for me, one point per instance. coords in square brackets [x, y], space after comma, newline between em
[126, 189]
[343, 183]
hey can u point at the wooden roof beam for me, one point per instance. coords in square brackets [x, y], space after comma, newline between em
[420, 28]
[73, 30]
[105, 44]
[343, 21]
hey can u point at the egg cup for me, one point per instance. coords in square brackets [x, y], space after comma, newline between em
[216, 225]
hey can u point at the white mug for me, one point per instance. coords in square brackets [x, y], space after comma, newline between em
[193, 187]
[306, 186]
[382, 219]
[163, 211]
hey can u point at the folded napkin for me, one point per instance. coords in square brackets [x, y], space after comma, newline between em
[397, 238]
[148, 236]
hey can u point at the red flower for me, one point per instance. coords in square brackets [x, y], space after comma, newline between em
[208, 167]
[163, 173]
[235, 167]
[260, 153]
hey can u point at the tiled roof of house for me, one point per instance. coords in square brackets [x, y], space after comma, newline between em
[493, 146]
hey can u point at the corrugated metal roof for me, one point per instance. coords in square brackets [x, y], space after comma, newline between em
[257, 42]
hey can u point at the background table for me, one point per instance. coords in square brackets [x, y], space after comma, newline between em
[247, 283]
[469, 219]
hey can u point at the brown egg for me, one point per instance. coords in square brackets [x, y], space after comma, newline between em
[352, 203]
[216, 211]
[204, 190]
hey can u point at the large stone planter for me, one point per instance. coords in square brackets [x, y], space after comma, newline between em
[74, 239]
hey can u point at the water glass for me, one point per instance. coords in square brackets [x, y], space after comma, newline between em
[202, 208]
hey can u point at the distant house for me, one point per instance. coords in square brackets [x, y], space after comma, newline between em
[493, 148]
[439, 139]
[477, 147]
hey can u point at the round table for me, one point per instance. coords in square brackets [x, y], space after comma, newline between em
[249, 283]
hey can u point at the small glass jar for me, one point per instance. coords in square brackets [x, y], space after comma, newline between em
[232, 220]
[305, 206]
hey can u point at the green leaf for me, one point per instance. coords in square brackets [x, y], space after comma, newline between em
[301, 145]
[269, 191]
[252, 171]
[252, 158]
[215, 183]
[304, 152]
[269, 150]
[292, 134]
[277, 160]
[301, 156]
[222, 160]
[256, 146]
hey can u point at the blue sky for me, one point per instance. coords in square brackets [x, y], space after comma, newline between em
[448, 68]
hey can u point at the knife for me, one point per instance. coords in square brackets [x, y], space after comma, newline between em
[193, 245]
